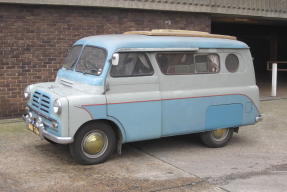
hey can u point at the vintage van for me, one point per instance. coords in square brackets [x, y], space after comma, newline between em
[115, 89]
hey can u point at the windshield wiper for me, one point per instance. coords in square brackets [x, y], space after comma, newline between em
[91, 71]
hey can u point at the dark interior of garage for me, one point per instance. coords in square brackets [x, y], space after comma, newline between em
[268, 43]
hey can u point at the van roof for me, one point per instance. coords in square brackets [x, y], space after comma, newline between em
[117, 41]
[180, 33]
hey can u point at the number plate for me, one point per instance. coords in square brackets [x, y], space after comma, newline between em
[34, 129]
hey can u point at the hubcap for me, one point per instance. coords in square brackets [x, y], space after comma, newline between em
[220, 134]
[94, 144]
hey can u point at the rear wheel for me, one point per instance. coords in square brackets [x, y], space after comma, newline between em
[93, 144]
[216, 138]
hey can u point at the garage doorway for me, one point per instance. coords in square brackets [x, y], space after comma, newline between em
[268, 43]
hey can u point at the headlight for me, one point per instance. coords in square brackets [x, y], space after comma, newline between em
[27, 92]
[57, 107]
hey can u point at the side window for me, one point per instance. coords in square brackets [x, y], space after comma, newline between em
[201, 62]
[213, 63]
[232, 63]
[187, 63]
[176, 63]
[207, 63]
[131, 65]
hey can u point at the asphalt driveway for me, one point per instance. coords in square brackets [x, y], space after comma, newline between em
[255, 160]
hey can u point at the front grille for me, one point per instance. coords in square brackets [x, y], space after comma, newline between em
[41, 101]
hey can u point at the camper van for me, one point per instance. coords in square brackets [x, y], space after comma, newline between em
[141, 85]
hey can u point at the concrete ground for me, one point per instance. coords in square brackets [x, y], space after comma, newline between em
[28, 164]
[254, 160]
[264, 84]
[265, 90]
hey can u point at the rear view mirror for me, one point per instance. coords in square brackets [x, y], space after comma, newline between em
[115, 59]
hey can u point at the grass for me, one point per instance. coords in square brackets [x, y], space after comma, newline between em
[16, 126]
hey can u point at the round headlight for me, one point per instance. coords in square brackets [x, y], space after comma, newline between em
[57, 107]
[27, 92]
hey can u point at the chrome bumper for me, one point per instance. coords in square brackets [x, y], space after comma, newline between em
[43, 133]
[259, 118]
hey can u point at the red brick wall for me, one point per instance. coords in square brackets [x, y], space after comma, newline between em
[34, 40]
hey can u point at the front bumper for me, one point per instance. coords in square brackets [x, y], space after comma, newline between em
[43, 133]
[259, 118]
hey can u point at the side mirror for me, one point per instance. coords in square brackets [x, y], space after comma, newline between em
[115, 59]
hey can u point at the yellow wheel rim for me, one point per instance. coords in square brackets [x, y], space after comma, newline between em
[94, 143]
[220, 133]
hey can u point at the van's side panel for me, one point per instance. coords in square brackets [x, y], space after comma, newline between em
[224, 115]
[188, 115]
[135, 103]
[200, 102]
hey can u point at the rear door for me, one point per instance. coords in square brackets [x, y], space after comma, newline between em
[133, 97]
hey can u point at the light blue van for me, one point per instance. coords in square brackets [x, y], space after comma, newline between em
[115, 89]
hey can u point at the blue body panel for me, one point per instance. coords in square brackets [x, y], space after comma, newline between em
[224, 116]
[141, 120]
[97, 111]
[80, 77]
[144, 120]
[206, 113]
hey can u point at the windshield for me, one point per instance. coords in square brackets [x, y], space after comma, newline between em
[72, 57]
[91, 61]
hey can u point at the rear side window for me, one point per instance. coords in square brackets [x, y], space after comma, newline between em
[132, 65]
[187, 63]
[232, 63]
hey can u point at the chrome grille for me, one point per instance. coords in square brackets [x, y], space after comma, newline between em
[41, 101]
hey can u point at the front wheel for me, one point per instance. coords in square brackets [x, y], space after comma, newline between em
[216, 138]
[93, 144]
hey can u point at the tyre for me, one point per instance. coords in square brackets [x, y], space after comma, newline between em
[93, 144]
[216, 138]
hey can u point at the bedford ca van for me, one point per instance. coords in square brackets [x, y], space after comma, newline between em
[140, 85]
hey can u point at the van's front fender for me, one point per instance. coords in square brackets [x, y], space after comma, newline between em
[89, 110]
[80, 113]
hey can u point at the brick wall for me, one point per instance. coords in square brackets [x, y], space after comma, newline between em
[34, 40]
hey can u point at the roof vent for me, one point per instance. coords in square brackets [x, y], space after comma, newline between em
[183, 33]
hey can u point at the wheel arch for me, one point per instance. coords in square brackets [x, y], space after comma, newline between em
[120, 134]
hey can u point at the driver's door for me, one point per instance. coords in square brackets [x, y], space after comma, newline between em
[133, 97]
